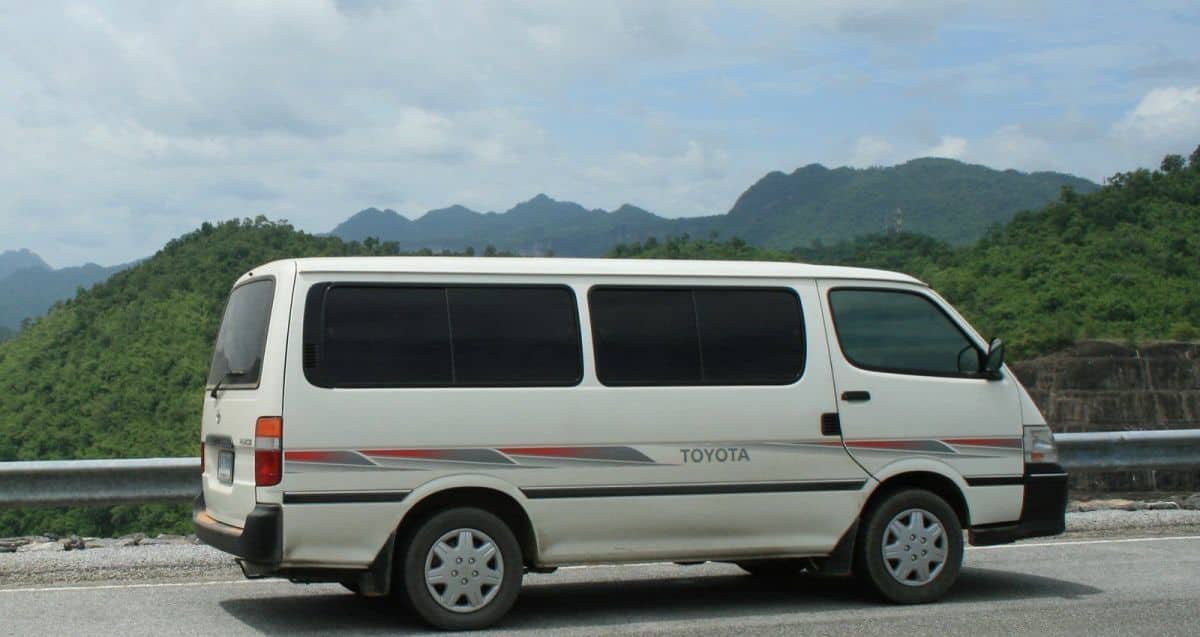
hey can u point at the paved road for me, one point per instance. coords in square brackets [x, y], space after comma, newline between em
[1110, 586]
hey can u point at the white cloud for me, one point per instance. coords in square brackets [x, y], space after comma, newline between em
[950, 146]
[1170, 114]
[870, 150]
[1013, 146]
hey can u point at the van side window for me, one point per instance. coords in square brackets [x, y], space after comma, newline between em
[441, 336]
[700, 336]
[897, 331]
[515, 336]
[385, 336]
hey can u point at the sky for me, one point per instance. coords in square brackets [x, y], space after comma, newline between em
[123, 125]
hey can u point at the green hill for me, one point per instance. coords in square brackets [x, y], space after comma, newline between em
[1121, 262]
[943, 198]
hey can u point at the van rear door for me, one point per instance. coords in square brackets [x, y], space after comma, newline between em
[245, 382]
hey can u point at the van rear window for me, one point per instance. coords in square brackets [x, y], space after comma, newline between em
[242, 341]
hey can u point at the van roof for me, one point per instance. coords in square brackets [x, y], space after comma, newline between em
[593, 267]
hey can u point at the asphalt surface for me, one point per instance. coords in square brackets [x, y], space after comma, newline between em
[1075, 586]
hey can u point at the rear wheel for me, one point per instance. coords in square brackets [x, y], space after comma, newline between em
[462, 569]
[910, 550]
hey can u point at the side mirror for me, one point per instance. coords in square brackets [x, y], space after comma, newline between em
[994, 359]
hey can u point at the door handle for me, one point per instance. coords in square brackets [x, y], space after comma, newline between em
[856, 396]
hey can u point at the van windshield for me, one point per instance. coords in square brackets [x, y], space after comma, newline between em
[242, 340]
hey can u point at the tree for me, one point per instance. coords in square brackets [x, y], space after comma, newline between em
[1170, 164]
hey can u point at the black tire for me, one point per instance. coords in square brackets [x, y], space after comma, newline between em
[775, 569]
[918, 579]
[412, 564]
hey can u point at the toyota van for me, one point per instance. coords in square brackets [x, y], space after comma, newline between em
[434, 428]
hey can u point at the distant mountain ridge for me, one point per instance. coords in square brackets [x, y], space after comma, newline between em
[13, 260]
[29, 286]
[943, 198]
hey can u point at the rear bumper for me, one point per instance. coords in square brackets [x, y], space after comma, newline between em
[260, 541]
[1043, 512]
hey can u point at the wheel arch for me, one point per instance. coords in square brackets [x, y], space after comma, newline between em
[931, 477]
[494, 496]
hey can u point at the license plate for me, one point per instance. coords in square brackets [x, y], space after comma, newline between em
[225, 467]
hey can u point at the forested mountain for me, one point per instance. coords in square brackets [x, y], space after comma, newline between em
[13, 260]
[539, 226]
[943, 198]
[29, 292]
[1122, 262]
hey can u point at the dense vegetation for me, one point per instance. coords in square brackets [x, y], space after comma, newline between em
[118, 371]
[1121, 262]
[943, 198]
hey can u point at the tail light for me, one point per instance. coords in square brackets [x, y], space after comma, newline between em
[202, 451]
[1039, 445]
[268, 451]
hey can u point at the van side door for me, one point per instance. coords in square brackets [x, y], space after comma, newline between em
[906, 371]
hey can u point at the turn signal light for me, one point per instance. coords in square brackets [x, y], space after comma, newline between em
[268, 451]
[1039, 445]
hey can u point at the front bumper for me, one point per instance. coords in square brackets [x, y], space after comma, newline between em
[1043, 512]
[260, 541]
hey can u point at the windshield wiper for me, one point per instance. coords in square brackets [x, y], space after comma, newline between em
[233, 373]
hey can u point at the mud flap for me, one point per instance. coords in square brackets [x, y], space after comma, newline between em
[841, 560]
[376, 581]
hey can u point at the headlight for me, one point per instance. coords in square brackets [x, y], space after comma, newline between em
[1039, 445]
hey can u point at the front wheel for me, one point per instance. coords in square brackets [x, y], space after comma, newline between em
[911, 548]
[462, 569]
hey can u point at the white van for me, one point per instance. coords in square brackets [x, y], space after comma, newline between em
[436, 427]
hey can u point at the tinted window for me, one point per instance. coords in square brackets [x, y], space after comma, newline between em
[750, 336]
[896, 331]
[675, 336]
[515, 336]
[386, 336]
[403, 336]
[237, 358]
[645, 337]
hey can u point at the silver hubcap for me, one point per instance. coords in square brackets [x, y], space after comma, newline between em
[463, 570]
[914, 547]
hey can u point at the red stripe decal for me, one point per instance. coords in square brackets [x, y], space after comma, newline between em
[313, 456]
[1007, 443]
[403, 453]
[884, 444]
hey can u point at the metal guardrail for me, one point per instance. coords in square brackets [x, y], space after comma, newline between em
[145, 480]
[98, 482]
[1170, 449]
